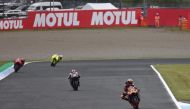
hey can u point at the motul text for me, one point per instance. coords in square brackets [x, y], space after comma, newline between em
[11, 24]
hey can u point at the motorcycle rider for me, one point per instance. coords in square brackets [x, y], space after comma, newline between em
[128, 84]
[20, 61]
[55, 58]
[74, 75]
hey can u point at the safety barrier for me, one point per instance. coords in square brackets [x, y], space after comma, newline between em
[74, 19]
[98, 18]
[169, 16]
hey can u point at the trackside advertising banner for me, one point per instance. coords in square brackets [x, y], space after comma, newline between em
[171, 19]
[73, 19]
[12, 24]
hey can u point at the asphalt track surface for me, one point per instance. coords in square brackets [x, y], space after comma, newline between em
[39, 86]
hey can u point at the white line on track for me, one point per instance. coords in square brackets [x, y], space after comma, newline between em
[6, 72]
[166, 86]
[9, 71]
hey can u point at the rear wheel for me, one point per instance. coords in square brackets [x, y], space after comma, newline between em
[134, 101]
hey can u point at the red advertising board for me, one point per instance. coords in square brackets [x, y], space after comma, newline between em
[168, 16]
[74, 19]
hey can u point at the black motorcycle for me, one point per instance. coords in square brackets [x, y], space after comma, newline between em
[74, 83]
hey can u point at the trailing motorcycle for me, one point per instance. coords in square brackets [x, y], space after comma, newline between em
[133, 97]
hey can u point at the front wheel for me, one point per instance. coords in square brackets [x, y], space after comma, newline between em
[16, 67]
[136, 107]
[134, 100]
[54, 62]
[75, 84]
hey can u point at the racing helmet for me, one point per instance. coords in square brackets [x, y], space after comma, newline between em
[129, 81]
[73, 70]
[22, 60]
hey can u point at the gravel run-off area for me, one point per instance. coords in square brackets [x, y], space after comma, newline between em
[82, 44]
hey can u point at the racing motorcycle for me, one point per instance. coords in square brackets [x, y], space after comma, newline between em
[74, 83]
[17, 66]
[54, 62]
[133, 97]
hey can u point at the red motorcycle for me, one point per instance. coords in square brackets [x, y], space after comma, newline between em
[133, 97]
[18, 63]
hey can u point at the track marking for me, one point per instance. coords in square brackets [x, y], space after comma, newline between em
[6, 72]
[166, 86]
[9, 71]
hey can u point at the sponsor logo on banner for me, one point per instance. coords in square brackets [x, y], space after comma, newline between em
[56, 19]
[114, 17]
[11, 24]
[73, 19]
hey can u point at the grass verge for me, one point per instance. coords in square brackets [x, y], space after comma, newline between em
[178, 79]
[1, 63]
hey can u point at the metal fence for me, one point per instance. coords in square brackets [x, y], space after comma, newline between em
[117, 3]
[144, 4]
[128, 3]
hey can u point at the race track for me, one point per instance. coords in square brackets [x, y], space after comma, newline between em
[39, 86]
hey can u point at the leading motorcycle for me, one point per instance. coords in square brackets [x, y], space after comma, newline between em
[17, 66]
[18, 63]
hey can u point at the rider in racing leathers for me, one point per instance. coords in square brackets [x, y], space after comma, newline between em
[128, 83]
[20, 61]
[56, 58]
[73, 74]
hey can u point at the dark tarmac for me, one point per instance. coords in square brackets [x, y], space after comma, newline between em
[39, 86]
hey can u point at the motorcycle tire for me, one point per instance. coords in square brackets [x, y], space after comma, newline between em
[53, 63]
[75, 85]
[17, 67]
[134, 101]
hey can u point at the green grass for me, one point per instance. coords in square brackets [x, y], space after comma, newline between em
[178, 79]
[1, 63]
[6, 65]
